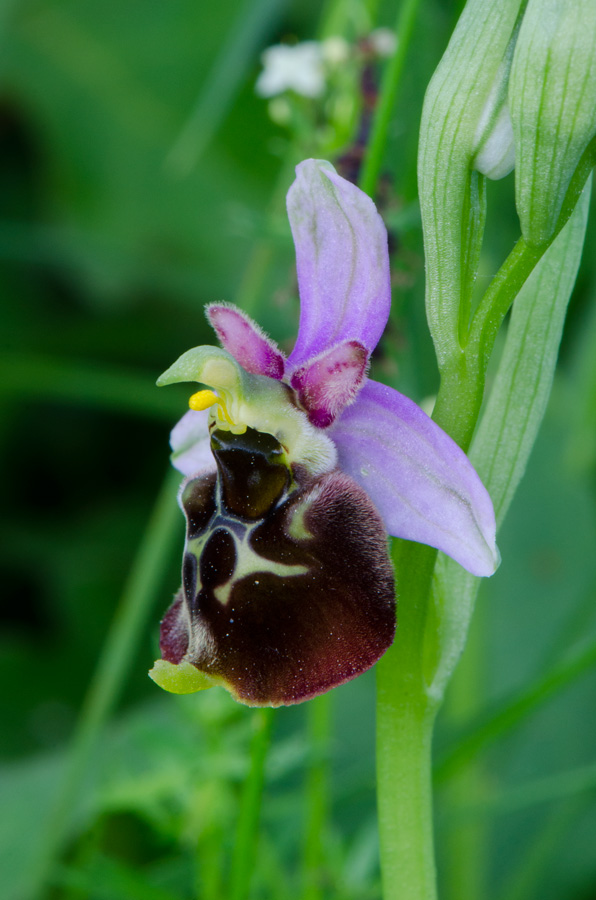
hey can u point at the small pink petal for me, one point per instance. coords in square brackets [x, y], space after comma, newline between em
[247, 343]
[328, 383]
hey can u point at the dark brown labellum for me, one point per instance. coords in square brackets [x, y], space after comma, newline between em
[287, 585]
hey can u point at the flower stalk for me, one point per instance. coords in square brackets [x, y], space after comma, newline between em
[405, 720]
[435, 610]
[413, 675]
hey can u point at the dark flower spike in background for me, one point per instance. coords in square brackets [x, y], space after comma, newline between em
[297, 470]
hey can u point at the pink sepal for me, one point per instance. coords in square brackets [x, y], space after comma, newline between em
[247, 343]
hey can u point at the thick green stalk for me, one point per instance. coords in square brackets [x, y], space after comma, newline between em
[462, 380]
[405, 718]
[408, 695]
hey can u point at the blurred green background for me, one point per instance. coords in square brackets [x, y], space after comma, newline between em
[140, 178]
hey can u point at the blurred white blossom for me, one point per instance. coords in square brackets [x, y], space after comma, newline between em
[335, 50]
[384, 41]
[297, 68]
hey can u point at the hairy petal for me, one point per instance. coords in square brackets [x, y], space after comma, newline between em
[328, 383]
[342, 262]
[421, 482]
[189, 440]
[246, 341]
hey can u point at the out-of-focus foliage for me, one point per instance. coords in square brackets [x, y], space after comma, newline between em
[140, 178]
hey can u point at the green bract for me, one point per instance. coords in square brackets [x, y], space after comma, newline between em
[552, 97]
[465, 91]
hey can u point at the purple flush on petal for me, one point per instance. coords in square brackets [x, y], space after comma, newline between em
[247, 343]
[326, 384]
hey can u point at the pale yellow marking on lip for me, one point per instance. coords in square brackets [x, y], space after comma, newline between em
[297, 528]
[250, 563]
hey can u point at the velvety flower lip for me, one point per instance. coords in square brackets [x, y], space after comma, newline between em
[420, 481]
[287, 588]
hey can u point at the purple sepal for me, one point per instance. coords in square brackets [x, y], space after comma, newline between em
[328, 383]
[342, 262]
[421, 482]
[189, 440]
[246, 341]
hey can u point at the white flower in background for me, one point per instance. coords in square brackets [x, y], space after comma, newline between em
[384, 41]
[335, 50]
[297, 68]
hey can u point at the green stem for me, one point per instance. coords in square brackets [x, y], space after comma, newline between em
[463, 376]
[405, 709]
[510, 279]
[405, 717]
[316, 794]
[462, 379]
[250, 807]
[404, 737]
[118, 653]
[501, 293]
[386, 106]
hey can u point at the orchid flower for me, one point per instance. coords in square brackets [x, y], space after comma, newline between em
[298, 469]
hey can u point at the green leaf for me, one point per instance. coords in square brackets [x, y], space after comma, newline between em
[510, 423]
[552, 97]
[453, 108]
